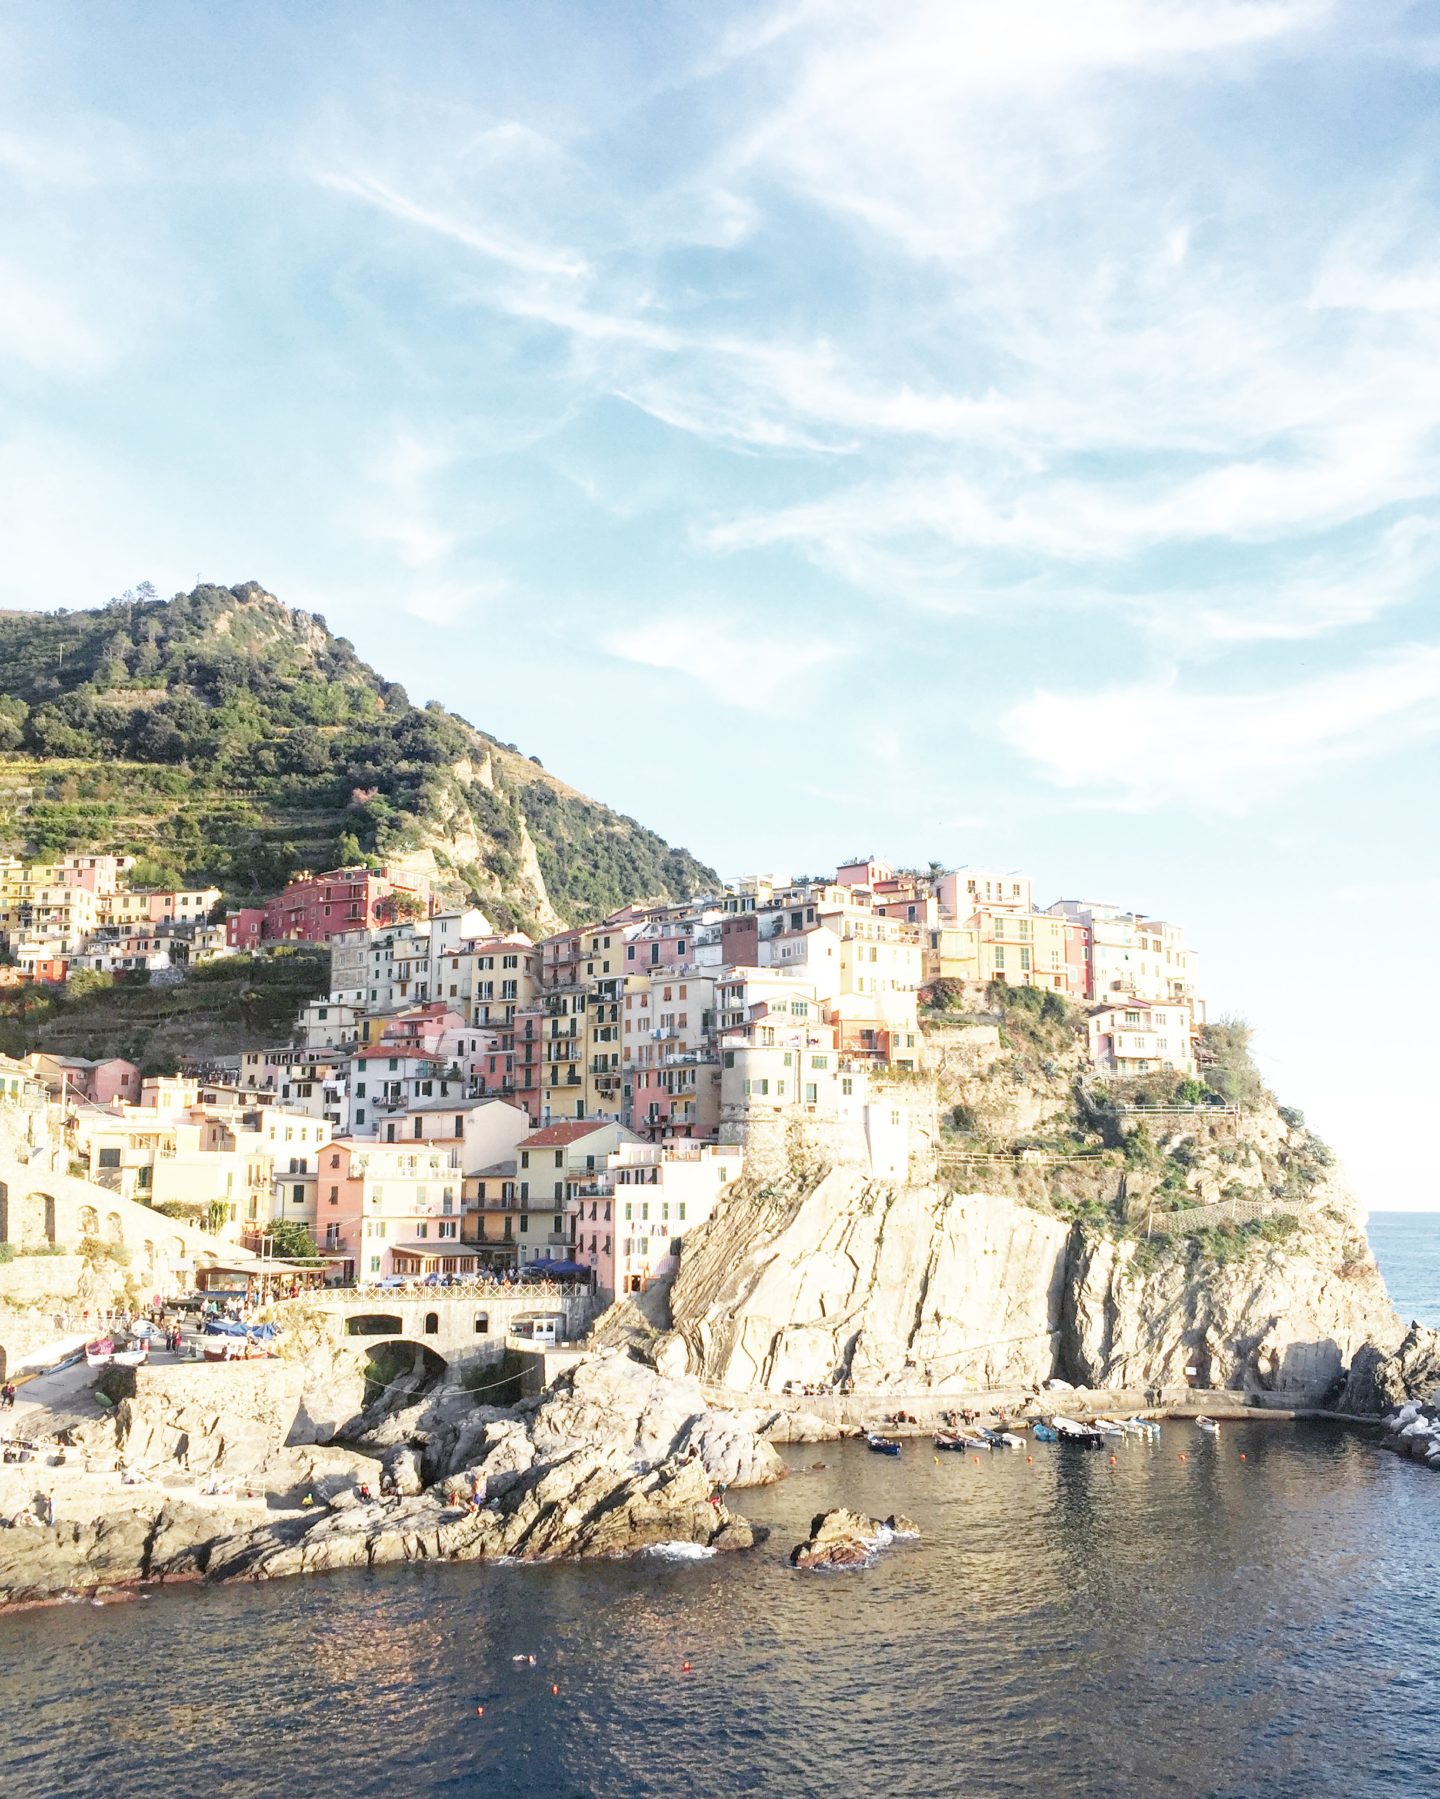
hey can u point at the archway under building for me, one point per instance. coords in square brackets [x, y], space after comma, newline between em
[375, 1324]
[398, 1370]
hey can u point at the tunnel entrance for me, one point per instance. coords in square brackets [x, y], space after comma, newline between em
[399, 1370]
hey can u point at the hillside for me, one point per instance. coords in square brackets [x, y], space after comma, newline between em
[221, 735]
[220, 1009]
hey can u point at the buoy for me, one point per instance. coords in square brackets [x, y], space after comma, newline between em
[1182, 1458]
[977, 1461]
[685, 1668]
[554, 1689]
[1112, 1461]
[479, 1711]
[1029, 1458]
[1242, 1455]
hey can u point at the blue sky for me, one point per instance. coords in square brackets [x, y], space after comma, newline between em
[996, 434]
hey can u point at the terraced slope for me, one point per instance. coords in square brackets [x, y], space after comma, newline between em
[222, 735]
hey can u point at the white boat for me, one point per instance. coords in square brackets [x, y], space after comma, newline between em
[1107, 1427]
[130, 1358]
[1010, 1440]
[1208, 1425]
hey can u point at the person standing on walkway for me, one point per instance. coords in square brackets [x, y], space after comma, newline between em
[50, 1508]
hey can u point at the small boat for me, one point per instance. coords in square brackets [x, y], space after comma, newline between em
[1208, 1425]
[1146, 1427]
[1045, 1433]
[1084, 1436]
[100, 1352]
[131, 1358]
[1008, 1440]
[1109, 1427]
[946, 1441]
[878, 1445]
[976, 1443]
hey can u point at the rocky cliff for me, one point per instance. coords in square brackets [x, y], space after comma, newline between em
[884, 1285]
[611, 1460]
[1111, 1237]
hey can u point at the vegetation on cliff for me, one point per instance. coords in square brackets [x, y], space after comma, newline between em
[1142, 1157]
[220, 1009]
[224, 736]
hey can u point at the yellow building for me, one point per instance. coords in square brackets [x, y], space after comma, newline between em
[951, 952]
[1024, 949]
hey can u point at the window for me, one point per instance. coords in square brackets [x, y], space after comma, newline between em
[374, 1264]
[422, 1231]
[449, 1231]
[109, 1158]
[810, 1093]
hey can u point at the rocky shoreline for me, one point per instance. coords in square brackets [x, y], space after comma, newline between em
[208, 1476]
[610, 1461]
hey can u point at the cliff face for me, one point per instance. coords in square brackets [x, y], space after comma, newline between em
[914, 1288]
[1281, 1317]
[899, 1286]
[1112, 1238]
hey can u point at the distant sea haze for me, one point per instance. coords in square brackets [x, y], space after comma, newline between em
[1407, 1247]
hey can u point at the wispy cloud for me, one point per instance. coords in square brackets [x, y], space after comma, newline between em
[532, 259]
[1157, 743]
[751, 670]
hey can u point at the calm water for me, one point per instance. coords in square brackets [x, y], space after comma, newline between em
[1407, 1247]
[1208, 1626]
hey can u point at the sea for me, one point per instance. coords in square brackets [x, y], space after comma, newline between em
[1252, 1614]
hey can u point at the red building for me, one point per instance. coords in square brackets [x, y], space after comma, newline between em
[315, 908]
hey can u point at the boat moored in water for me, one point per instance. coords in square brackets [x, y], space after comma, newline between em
[878, 1445]
[1208, 1425]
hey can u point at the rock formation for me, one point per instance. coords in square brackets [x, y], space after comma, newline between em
[846, 1539]
[1380, 1380]
[920, 1289]
[887, 1286]
[1281, 1317]
[613, 1459]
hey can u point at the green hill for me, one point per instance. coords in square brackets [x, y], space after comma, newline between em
[221, 735]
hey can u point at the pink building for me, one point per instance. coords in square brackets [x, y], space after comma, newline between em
[630, 1225]
[1078, 977]
[315, 908]
[865, 873]
[680, 1099]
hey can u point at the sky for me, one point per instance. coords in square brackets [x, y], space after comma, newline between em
[997, 435]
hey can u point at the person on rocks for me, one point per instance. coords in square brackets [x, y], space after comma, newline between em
[50, 1507]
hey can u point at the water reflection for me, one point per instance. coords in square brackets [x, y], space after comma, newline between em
[1206, 1626]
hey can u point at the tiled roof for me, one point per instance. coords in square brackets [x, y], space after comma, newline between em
[555, 1136]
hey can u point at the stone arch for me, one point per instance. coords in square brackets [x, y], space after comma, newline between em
[114, 1229]
[89, 1220]
[432, 1324]
[405, 1364]
[375, 1324]
[176, 1246]
[31, 1220]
